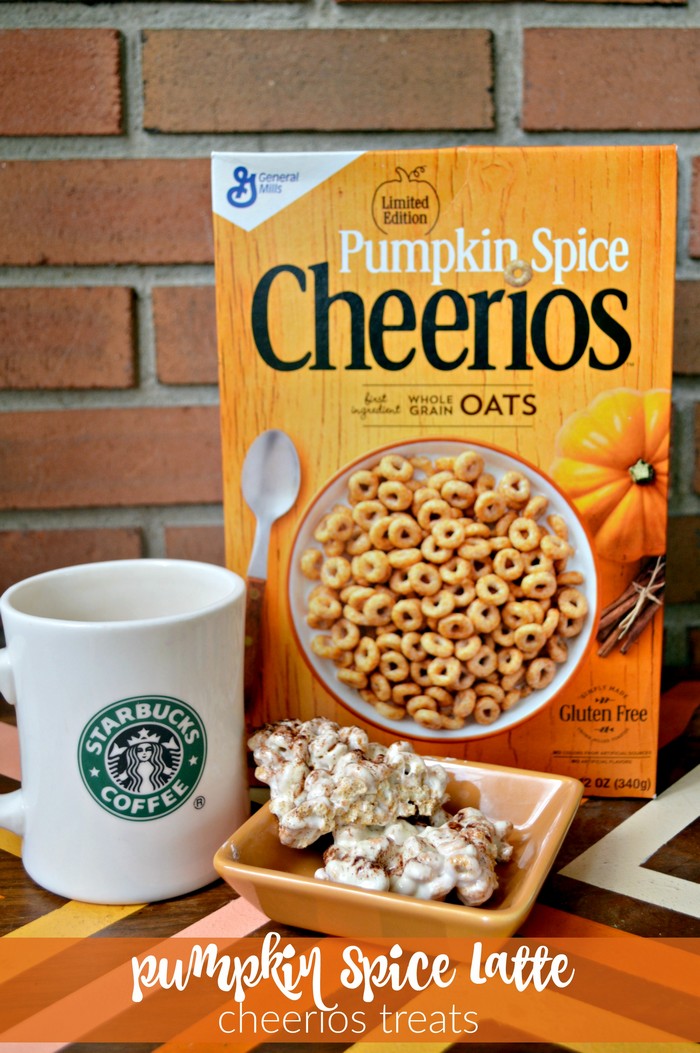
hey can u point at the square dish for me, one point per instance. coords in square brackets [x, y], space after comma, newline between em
[280, 880]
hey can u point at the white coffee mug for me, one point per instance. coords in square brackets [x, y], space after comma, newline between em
[128, 682]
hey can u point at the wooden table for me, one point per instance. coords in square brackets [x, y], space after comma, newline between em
[579, 894]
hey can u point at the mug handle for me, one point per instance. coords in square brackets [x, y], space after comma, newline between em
[11, 804]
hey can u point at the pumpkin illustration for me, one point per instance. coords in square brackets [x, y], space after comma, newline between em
[407, 203]
[612, 461]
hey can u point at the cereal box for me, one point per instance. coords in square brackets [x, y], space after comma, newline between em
[454, 367]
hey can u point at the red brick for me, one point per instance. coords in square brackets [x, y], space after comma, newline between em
[683, 560]
[92, 457]
[27, 552]
[317, 79]
[105, 211]
[204, 543]
[686, 351]
[66, 338]
[608, 79]
[185, 325]
[694, 240]
[60, 82]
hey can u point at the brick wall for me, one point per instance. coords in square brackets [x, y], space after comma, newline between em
[108, 113]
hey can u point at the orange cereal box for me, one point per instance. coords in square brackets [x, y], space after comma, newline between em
[445, 403]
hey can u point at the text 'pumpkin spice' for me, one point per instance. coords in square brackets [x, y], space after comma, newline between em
[470, 351]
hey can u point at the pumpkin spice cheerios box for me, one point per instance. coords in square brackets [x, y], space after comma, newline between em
[449, 371]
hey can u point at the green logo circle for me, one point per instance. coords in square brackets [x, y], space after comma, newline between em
[142, 757]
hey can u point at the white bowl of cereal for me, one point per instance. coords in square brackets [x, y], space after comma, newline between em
[442, 590]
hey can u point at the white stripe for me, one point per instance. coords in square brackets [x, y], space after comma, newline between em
[615, 862]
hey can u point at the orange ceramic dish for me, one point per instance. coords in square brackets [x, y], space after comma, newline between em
[280, 882]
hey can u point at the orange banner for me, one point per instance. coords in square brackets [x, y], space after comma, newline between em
[294, 990]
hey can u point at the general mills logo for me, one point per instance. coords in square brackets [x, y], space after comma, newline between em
[142, 757]
[243, 193]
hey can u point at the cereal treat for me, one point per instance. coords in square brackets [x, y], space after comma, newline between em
[440, 593]
[322, 775]
[427, 862]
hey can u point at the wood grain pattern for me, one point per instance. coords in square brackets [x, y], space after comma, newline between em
[22, 900]
[565, 907]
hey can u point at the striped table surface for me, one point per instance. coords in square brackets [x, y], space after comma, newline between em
[627, 865]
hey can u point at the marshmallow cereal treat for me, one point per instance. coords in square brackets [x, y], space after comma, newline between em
[322, 776]
[457, 853]
[441, 593]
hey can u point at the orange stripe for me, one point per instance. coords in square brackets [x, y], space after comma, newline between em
[74, 919]
[9, 751]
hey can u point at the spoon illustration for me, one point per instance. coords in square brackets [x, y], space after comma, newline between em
[270, 483]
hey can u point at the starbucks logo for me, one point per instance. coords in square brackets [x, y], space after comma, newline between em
[142, 757]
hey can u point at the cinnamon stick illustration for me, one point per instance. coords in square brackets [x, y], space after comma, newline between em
[624, 620]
